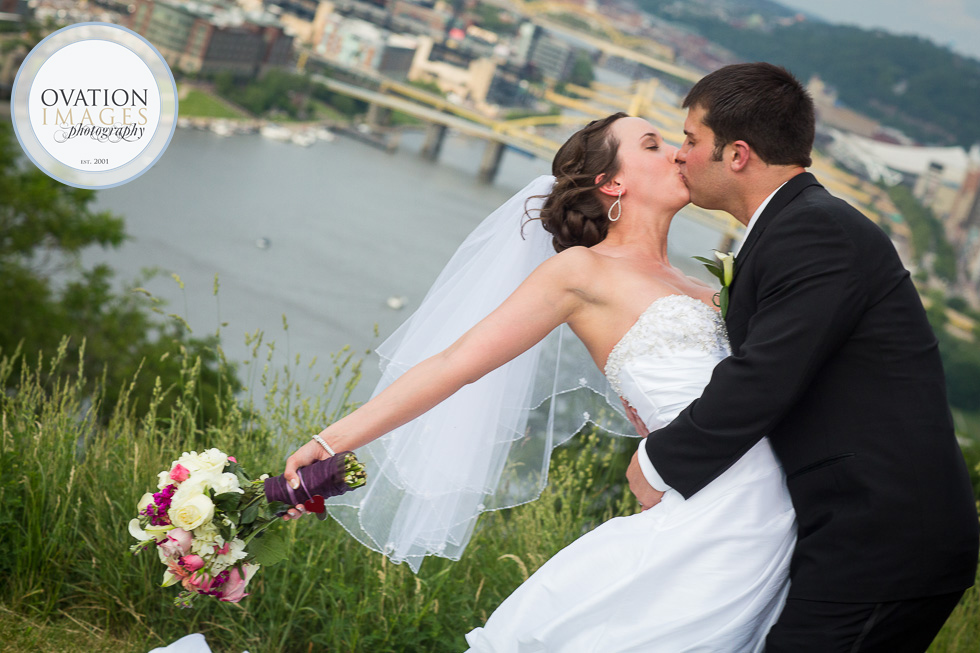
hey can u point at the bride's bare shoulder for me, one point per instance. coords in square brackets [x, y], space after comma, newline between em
[574, 267]
[575, 258]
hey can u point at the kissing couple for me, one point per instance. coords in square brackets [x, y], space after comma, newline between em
[801, 488]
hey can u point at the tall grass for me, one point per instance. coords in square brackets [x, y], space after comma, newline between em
[70, 480]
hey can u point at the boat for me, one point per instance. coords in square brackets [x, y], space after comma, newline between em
[222, 128]
[276, 132]
[396, 303]
[303, 139]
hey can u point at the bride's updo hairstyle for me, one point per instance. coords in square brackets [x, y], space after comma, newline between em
[573, 213]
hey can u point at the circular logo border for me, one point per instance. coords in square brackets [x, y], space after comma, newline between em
[23, 128]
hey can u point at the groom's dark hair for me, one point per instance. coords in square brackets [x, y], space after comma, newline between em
[761, 104]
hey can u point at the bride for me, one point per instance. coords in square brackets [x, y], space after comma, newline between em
[706, 574]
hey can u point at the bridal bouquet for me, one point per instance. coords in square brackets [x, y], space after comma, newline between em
[209, 521]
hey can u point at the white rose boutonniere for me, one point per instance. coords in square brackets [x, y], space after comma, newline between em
[724, 269]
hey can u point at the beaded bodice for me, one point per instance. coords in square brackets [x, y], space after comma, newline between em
[671, 327]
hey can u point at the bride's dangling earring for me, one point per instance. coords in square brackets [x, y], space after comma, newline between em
[617, 205]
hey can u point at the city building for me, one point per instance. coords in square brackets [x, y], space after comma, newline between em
[552, 57]
[509, 88]
[963, 225]
[350, 42]
[205, 38]
[462, 77]
[523, 43]
[364, 45]
[399, 52]
[14, 7]
[430, 19]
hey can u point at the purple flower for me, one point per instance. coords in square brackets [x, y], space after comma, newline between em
[157, 511]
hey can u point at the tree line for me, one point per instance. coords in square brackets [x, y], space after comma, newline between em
[905, 82]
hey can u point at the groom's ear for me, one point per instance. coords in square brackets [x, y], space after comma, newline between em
[740, 154]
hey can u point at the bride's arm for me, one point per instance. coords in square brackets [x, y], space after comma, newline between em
[546, 299]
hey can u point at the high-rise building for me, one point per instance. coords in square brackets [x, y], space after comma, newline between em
[552, 57]
[204, 38]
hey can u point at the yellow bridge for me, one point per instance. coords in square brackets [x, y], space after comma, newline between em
[441, 115]
[600, 100]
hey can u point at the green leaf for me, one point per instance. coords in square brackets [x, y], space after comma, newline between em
[714, 267]
[717, 271]
[250, 514]
[227, 532]
[724, 301]
[227, 501]
[268, 549]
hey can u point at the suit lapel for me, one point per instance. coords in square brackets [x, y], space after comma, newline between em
[780, 200]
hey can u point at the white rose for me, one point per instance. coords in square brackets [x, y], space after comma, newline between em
[204, 479]
[208, 462]
[163, 479]
[195, 511]
[226, 482]
[192, 487]
[212, 461]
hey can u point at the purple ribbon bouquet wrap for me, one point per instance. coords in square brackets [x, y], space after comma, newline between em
[323, 479]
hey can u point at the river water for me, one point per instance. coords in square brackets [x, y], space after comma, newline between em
[347, 227]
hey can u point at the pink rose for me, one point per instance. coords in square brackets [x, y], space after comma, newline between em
[177, 543]
[179, 473]
[192, 562]
[222, 550]
[198, 582]
[233, 590]
[232, 459]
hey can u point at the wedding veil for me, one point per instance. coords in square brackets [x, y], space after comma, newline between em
[488, 446]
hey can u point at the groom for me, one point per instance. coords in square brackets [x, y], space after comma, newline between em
[833, 359]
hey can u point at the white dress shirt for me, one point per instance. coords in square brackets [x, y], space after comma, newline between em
[646, 466]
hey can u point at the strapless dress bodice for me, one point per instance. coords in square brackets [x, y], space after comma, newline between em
[662, 363]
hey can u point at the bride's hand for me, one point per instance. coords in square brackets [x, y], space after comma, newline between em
[306, 455]
[295, 512]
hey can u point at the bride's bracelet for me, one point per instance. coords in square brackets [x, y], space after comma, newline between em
[324, 445]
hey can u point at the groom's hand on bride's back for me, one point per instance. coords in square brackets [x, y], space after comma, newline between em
[641, 489]
[634, 418]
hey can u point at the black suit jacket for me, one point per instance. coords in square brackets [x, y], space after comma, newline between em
[833, 359]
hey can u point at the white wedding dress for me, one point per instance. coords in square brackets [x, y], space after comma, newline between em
[706, 574]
